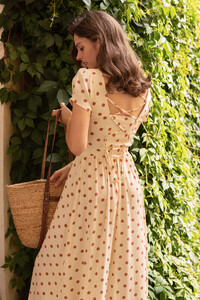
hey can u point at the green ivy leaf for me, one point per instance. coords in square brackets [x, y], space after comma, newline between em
[34, 102]
[41, 59]
[30, 115]
[63, 75]
[143, 153]
[58, 40]
[29, 122]
[38, 153]
[31, 70]
[23, 67]
[13, 55]
[51, 56]
[29, 1]
[58, 62]
[69, 89]
[88, 3]
[165, 3]
[6, 76]
[25, 58]
[18, 112]
[49, 40]
[32, 106]
[172, 11]
[3, 95]
[27, 131]
[36, 137]
[65, 56]
[5, 266]
[47, 86]
[21, 49]
[21, 262]
[21, 124]
[149, 30]
[38, 67]
[166, 9]
[62, 96]
[15, 140]
[20, 282]
[13, 149]
[55, 158]
[13, 280]
[24, 95]
[45, 24]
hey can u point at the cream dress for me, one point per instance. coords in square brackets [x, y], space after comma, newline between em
[96, 245]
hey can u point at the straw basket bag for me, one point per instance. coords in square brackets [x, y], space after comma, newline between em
[33, 203]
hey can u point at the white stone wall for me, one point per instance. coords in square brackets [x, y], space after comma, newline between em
[6, 130]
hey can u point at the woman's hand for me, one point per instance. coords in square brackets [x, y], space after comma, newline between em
[61, 175]
[65, 115]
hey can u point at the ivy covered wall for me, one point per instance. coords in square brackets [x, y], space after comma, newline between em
[165, 34]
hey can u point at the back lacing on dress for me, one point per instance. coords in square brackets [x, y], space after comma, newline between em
[121, 150]
[131, 110]
[128, 113]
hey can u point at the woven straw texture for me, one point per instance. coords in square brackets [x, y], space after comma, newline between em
[26, 204]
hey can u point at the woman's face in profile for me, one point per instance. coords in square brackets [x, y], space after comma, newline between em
[87, 51]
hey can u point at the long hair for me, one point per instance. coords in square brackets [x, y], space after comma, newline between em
[116, 58]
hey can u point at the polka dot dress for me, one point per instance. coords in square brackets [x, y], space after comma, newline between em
[96, 245]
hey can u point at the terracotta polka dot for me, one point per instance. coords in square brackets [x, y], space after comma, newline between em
[96, 245]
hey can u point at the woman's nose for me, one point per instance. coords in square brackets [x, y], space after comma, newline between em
[78, 56]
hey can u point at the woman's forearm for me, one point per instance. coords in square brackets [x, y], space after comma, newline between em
[67, 131]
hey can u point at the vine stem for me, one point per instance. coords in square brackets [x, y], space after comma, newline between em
[5, 49]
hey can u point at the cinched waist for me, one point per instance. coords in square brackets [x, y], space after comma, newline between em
[108, 151]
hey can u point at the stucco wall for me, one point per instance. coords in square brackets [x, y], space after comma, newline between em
[6, 293]
[6, 130]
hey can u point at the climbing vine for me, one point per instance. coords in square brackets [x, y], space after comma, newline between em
[165, 34]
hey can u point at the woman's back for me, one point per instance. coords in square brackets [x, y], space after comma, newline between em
[115, 118]
[134, 105]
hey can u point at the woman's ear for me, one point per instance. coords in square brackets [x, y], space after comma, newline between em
[98, 43]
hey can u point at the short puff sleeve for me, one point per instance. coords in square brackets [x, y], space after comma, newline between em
[81, 90]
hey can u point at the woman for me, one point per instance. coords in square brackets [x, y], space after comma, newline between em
[96, 245]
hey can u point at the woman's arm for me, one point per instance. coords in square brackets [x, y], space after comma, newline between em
[76, 127]
[76, 130]
[61, 175]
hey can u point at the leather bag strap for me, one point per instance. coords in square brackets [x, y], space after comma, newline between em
[46, 143]
[47, 185]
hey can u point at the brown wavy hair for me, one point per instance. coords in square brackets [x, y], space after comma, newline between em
[116, 58]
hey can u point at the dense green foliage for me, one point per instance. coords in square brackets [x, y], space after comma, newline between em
[165, 34]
